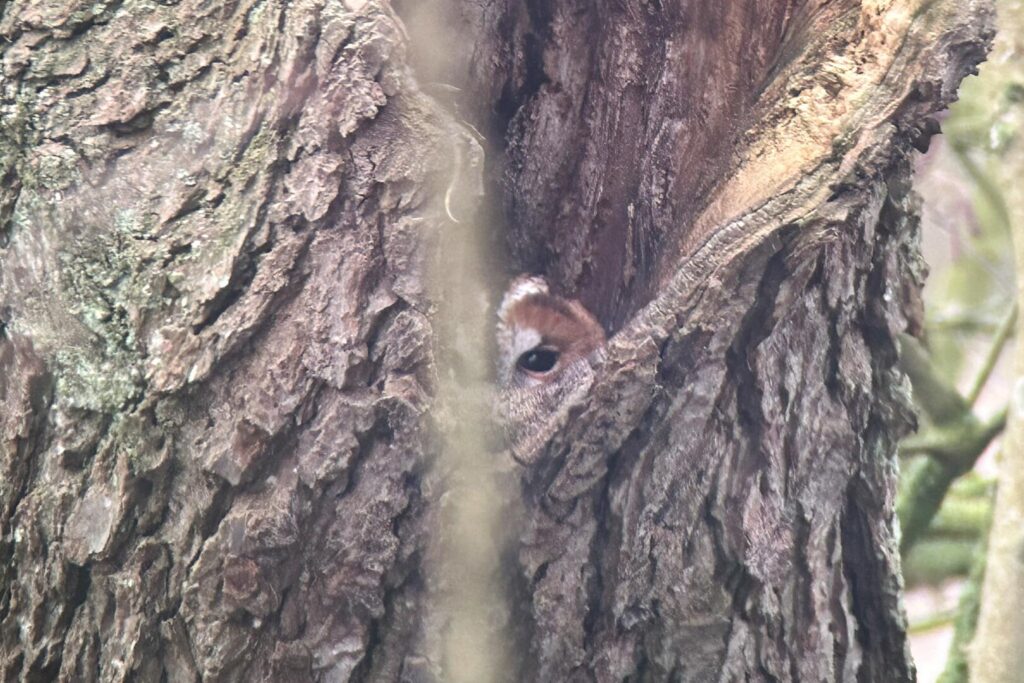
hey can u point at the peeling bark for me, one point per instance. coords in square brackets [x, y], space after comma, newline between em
[217, 362]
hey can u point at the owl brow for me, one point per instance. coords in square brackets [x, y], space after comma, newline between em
[561, 332]
[558, 304]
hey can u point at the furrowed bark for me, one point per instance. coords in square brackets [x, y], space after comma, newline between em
[721, 506]
[217, 355]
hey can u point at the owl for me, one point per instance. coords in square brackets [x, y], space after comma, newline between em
[547, 347]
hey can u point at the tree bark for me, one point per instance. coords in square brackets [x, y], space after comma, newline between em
[217, 365]
[732, 198]
[217, 351]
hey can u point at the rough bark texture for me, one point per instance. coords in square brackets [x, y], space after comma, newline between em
[721, 507]
[216, 355]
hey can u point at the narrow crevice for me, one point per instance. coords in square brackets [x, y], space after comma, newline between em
[220, 506]
[756, 326]
[140, 123]
[89, 88]
[402, 580]
[514, 96]
[12, 184]
[880, 632]
[600, 561]
[241, 277]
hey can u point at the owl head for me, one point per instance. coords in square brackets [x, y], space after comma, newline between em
[546, 347]
[541, 335]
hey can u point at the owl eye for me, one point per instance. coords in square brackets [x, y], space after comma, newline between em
[539, 360]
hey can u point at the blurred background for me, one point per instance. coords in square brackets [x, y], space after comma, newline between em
[962, 373]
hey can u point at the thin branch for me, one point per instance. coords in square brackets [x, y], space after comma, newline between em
[932, 622]
[952, 443]
[1005, 331]
[940, 401]
[959, 444]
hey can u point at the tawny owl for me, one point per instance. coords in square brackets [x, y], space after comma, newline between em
[547, 346]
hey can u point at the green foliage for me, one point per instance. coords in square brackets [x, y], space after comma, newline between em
[968, 301]
[967, 296]
[970, 187]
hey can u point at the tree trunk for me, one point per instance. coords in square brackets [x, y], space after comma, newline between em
[217, 364]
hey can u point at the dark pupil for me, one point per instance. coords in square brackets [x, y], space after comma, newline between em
[538, 360]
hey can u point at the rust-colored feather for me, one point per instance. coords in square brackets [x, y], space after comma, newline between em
[532, 401]
[565, 325]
